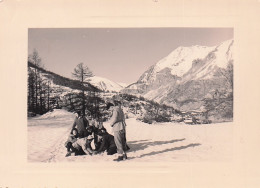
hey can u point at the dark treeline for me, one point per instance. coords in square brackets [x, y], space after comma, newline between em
[38, 100]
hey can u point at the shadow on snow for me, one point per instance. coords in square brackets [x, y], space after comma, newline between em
[142, 144]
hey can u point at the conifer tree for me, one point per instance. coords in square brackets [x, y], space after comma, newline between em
[82, 72]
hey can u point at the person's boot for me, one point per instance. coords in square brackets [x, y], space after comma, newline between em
[120, 158]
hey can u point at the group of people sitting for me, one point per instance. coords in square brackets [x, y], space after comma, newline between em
[84, 132]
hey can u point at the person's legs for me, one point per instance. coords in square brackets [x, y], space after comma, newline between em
[126, 146]
[124, 141]
[97, 143]
[68, 146]
[70, 149]
[118, 142]
[79, 152]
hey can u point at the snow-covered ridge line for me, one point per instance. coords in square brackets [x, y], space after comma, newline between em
[59, 80]
[187, 74]
[180, 60]
[100, 83]
[105, 84]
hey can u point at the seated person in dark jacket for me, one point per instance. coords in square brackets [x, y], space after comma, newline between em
[107, 143]
[98, 126]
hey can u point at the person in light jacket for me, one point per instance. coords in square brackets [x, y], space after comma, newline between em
[82, 146]
[117, 122]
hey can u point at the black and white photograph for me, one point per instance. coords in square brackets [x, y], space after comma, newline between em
[123, 94]
[130, 94]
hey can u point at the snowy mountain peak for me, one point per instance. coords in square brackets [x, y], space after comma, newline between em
[180, 76]
[180, 61]
[105, 84]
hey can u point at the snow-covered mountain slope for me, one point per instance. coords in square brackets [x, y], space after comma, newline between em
[56, 89]
[183, 61]
[105, 84]
[207, 67]
[187, 73]
[179, 62]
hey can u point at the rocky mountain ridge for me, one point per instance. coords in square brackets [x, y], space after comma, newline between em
[187, 76]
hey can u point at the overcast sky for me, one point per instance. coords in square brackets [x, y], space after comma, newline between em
[120, 54]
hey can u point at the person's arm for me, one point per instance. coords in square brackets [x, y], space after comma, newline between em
[73, 139]
[74, 124]
[114, 117]
[123, 117]
[70, 138]
[86, 149]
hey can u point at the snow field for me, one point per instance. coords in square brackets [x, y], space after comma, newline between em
[164, 142]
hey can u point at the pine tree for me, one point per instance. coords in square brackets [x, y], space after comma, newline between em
[81, 73]
[36, 60]
[31, 91]
[35, 85]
